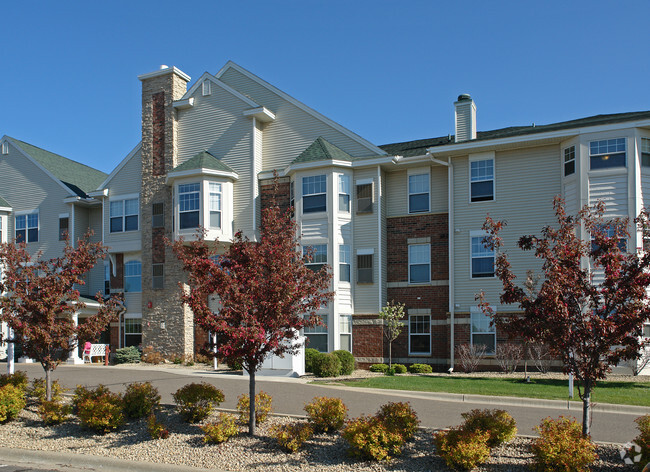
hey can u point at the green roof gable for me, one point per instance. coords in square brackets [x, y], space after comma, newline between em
[322, 150]
[203, 160]
[3, 203]
[80, 178]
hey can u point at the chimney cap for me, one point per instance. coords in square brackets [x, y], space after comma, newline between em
[164, 66]
[464, 96]
[164, 70]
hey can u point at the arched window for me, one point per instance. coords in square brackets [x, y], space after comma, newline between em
[133, 276]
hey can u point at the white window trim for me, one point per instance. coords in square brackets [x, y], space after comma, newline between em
[347, 332]
[476, 309]
[220, 210]
[123, 199]
[348, 263]
[575, 161]
[414, 353]
[617, 169]
[472, 235]
[178, 205]
[413, 172]
[313, 244]
[342, 177]
[3, 228]
[419, 263]
[125, 276]
[303, 194]
[482, 156]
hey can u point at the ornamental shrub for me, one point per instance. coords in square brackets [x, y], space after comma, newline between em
[291, 436]
[196, 401]
[326, 365]
[399, 368]
[326, 415]
[17, 379]
[221, 430]
[38, 390]
[81, 394]
[12, 401]
[140, 399]
[54, 412]
[498, 423]
[561, 446]
[347, 361]
[420, 369]
[383, 368]
[127, 355]
[151, 356]
[263, 403]
[310, 355]
[399, 418]
[101, 412]
[462, 449]
[370, 439]
[643, 439]
[155, 428]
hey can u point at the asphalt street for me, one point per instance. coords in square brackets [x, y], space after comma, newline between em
[290, 395]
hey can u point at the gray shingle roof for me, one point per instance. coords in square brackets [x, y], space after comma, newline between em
[80, 178]
[322, 150]
[3, 203]
[203, 160]
[419, 147]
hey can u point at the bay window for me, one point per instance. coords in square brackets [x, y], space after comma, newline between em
[314, 194]
[344, 263]
[215, 205]
[344, 193]
[317, 335]
[189, 205]
[318, 256]
[607, 153]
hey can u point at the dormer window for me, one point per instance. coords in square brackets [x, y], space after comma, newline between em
[189, 205]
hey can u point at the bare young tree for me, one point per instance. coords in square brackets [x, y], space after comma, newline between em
[391, 315]
[470, 356]
[508, 356]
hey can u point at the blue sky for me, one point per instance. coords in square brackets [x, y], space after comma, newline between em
[388, 70]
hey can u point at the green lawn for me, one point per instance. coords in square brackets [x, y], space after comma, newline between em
[627, 393]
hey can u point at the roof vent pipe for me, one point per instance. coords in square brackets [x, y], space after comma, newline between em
[465, 118]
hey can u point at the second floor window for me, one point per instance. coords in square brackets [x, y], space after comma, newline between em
[344, 193]
[215, 205]
[645, 152]
[124, 215]
[607, 153]
[27, 228]
[419, 263]
[64, 223]
[569, 161]
[133, 276]
[364, 269]
[482, 258]
[314, 194]
[189, 205]
[107, 278]
[318, 256]
[482, 180]
[418, 193]
[344, 263]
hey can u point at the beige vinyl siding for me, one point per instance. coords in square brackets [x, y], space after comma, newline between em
[526, 181]
[293, 129]
[439, 192]
[121, 241]
[133, 302]
[571, 196]
[129, 178]
[612, 190]
[366, 237]
[81, 222]
[96, 275]
[645, 188]
[26, 187]
[216, 124]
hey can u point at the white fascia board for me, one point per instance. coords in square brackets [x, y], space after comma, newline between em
[128, 157]
[7, 209]
[78, 199]
[37, 164]
[227, 88]
[321, 164]
[317, 165]
[165, 71]
[99, 193]
[373, 161]
[189, 173]
[302, 106]
[183, 104]
[260, 113]
[471, 146]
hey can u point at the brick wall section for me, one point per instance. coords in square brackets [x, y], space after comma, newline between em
[268, 193]
[159, 138]
[367, 338]
[117, 280]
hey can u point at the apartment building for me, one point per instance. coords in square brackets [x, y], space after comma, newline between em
[395, 222]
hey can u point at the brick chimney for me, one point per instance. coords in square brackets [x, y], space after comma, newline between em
[465, 118]
[167, 324]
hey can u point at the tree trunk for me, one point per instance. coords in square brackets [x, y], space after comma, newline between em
[251, 396]
[390, 354]
[586, 410]
[48, 384]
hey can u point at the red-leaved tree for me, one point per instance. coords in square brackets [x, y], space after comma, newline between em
[39, 298]
[590, 307]
[266, 293]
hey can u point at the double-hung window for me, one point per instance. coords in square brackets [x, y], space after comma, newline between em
[364, 196]
[133, 276]
[607, 153]
[318, 256]
[27, 228]
[418, 193]
[317, 335]
[482, 257]
[158, 215]
[344, 263]
[609, 231]
[419, 263]
[132, 332]
[215, 205]
[189, 197]
[314, 194]
[482, 180]
[64, 223]
[124, 215]
[364, 267]
[344, 193]
[645, 152]
[569, 161]
[420, 335]
[345, 332]
[483, 330]
[2, 229]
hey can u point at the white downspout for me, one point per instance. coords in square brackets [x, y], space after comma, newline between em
[450, 217]
[379, 233]
[253, 175]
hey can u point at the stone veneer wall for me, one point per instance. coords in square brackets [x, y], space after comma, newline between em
[168, 325]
